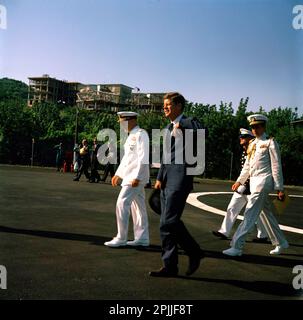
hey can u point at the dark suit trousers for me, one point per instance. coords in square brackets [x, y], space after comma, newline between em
[83, 169]
[94, 175]
[109, 168]
[172, 230]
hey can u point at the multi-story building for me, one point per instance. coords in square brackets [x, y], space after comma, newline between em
[110, 97]
[107, 97]
[148, 101]
[48, 89]
[298, 124]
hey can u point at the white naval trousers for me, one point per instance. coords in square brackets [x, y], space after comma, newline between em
[257, 202]
[132, 200]
[236, 204]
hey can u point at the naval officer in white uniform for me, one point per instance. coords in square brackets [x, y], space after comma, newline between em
[263, 167]
[134, 173]
[239, 198]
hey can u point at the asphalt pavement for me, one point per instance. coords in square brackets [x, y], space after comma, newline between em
[52, 231]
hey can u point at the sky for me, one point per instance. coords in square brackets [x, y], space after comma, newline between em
[209, 50]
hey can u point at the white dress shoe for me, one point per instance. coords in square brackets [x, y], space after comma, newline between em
[114, 243]
[233, 252]
[278, 249]
[137, 243]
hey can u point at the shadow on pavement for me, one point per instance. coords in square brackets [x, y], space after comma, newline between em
[266, 287]
[296, 245]
[290, 244]
[99, 240]
[256, 259]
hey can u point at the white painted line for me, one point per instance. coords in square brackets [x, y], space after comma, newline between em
[193, 200]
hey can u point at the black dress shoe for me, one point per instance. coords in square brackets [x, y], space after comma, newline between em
[261, 240]
[220, 235]
[194, 263]
[75, 179]
[164, 273]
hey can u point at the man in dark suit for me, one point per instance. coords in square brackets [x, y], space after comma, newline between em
[109, 166]
[175, 184]
[85, 161]
[94, 176]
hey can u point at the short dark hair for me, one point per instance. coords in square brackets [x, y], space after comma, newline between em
[261, 124]
[176, 98]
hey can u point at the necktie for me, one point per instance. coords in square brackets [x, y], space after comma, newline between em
[172, 139]
[169, 147]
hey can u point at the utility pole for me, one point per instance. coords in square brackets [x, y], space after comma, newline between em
[76, 126]
[76, 135]
[33, 147]
[231, 165]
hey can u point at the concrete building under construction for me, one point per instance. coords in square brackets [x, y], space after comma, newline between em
[107, 97]
[114, 97]
[99, 97]
[48, 89]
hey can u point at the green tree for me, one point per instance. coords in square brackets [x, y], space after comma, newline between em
[16, 132]
[11, 89]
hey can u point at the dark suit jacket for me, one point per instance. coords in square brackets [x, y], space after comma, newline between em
[94, 160]
[173, 176]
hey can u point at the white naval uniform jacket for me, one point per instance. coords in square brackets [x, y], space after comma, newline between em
[263, 166]
[135, 162]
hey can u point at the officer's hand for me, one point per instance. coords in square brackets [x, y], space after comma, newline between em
[281, 195]
[235, 186]
[135, 183]
[157, 184]
[115, 181]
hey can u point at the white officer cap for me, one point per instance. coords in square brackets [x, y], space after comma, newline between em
[257, 119]
[127, 115]
[244, 133]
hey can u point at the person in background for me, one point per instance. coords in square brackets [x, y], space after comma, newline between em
[109, 167]
[77, 160]
[59, 156]
[85, 161]
[95, 177]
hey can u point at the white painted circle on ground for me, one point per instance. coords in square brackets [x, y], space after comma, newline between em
[193, 200]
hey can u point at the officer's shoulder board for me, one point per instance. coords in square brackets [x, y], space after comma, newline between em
[271, 139]
[139, 132]
[251, 148]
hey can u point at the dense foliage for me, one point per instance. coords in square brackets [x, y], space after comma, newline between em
[50, 124]
[11, 89]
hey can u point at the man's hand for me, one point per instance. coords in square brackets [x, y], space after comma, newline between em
[235, 186]
[281, 195]
[135, 183]
[115, 181]
[157, 184]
